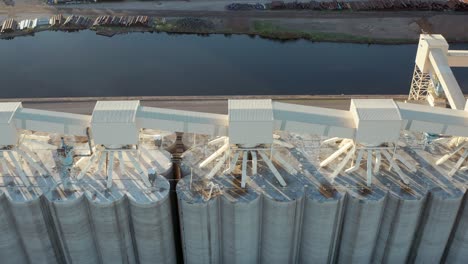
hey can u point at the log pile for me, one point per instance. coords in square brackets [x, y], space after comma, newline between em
[373, 5]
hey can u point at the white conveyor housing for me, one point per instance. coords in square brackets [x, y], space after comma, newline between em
[458, 58]
[425, 118]
[313, 120]
[52, 122]
[182, 121]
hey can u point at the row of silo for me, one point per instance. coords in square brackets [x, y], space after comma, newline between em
[391, 222]
[11, 246]
[442, 204]
[28, 233]
[86, 222]
[224, 223]
[228, 228]
[456, 251]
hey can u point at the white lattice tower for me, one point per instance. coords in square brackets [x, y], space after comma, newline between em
[420, 85]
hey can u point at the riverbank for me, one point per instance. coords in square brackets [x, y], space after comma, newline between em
[269, 29]
[370, 27]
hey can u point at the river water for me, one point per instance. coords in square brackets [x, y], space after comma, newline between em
[57, 64]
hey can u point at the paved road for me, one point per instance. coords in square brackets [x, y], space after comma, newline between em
[206, 104]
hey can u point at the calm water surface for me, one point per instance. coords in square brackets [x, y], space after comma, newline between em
[56, 64]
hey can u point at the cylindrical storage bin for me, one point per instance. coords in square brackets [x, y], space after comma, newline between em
[360, 228]
[199, 220]
[11, 248]
[399, 223]
[152, 224]
[281, 218]
[35, 231]
[112, 230]
[158, 159]
[74, 227]
[320, 226]
[457, 250]
[435, 226]
[240, 223]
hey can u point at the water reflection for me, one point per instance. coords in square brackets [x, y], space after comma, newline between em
[55, 64]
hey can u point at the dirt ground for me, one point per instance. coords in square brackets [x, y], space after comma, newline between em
[377, 27]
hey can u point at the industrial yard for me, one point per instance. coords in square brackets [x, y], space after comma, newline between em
[387, 22]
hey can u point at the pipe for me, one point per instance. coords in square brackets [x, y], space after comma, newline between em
[121, 162]
[447, 156]
[216, 141]
[3, 164]
[272, 168]
[369, 168]
[378, 161]
[91, 152]
[357, 163]
[232, 164]
[31, 162]
[393, 164]
[90, 163]
[330, 140]
[218, 165]
[459, 163]
[335, 155]
[214, 156]
[284, 164]
[408, 165]
[254, 162]
[342, 164]
[244, 169]
[110, 168]
[102, 157]
[18, 169]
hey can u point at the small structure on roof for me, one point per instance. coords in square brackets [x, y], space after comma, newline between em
[114, 122]
[11, 153]
[250, 122]
[377, 121]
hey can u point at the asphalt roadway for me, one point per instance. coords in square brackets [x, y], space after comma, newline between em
[209, 104]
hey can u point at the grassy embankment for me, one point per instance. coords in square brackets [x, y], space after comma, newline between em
[264, 29]
[270, 30]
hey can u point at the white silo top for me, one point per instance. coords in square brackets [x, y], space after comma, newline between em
[377, 120]
[114, 122]
[250, 110]
[250, 122]
[115, 111]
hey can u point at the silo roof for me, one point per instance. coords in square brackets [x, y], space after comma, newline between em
[250, 110]
[115, 111]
